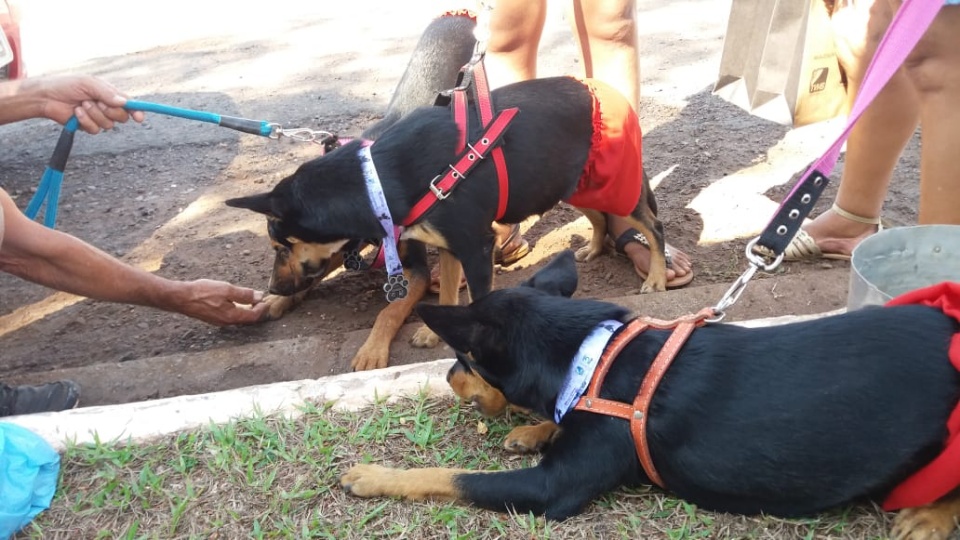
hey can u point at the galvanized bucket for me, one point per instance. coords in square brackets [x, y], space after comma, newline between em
[895, 261]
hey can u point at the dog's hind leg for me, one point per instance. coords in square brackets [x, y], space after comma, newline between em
[450, 271]
[599, 223]
[935, 521]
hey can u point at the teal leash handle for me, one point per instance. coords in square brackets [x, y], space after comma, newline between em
[49, 189]
[253, 127]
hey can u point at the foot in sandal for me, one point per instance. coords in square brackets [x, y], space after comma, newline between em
[832, 235]
[632, 244]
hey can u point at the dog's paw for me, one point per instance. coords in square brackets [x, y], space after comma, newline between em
[934, 522]
[530, 439]
[278, 305]
[651, 285]
[586, 254]
[425, 338]
[366, 360]
[368, 480]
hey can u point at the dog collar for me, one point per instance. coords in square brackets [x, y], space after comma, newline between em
[396, 285]
[583, 365]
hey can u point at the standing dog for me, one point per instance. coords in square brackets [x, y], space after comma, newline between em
[787, 420]
[444, 47]
[573, 140]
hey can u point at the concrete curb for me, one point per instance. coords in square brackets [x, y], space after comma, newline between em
[147, 420]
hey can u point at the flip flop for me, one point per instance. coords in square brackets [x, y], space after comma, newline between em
[633, 235]
[510, 251]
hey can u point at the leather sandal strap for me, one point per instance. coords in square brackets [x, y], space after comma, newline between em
[853, 217]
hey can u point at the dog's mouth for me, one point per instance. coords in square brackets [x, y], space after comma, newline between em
[286, 282]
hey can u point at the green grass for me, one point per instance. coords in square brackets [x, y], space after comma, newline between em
[277, 477]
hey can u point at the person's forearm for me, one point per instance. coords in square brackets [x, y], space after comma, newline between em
[18, 101]
[65, 263]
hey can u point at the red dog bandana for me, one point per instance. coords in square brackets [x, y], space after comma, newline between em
[612, 177]
[941, 475]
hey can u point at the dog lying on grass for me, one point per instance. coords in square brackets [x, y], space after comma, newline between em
[786, 420]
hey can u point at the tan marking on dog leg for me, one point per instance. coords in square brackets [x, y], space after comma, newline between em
[367, 480]
[375, 351]
[529, 439]
[471, 388]
[279, 305]
[595, 248]
[657, 277]
[935, 521]
[450, 272]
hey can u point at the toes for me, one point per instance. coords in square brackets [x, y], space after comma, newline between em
[425, 338]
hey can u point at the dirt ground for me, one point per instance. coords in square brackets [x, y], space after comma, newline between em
[152, 195]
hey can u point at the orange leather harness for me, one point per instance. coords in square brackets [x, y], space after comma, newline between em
[638, 412]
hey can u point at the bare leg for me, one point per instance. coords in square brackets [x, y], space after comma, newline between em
[606, 31]
[515, 28]
[880, 135]
[934, 69]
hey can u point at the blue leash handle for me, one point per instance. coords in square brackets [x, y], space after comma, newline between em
[49, 189]
[254, 127]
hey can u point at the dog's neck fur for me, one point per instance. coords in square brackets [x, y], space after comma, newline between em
[555, 333]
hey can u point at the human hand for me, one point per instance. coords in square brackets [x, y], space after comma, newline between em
[96, 103]
[216, 302]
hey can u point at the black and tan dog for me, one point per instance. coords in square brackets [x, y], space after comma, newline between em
[445, 46]
[786, 420]
[550, 150]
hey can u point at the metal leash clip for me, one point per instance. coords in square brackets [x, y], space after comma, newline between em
[301, 134]
[757, 262]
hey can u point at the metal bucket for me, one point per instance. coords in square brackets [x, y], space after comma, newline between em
[899, 260]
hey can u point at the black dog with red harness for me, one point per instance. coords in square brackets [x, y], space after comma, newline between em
[785, 420]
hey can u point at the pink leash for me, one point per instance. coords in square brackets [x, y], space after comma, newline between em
[907, 27]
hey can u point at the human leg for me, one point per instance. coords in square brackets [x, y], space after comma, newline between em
[50, 397]
[875, 143]
[515, 28]
[606, 32]
[934, 69]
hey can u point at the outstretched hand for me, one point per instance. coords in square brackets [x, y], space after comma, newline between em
[220, 303]
[97, 104]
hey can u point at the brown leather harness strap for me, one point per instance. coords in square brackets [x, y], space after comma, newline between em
[638, 412]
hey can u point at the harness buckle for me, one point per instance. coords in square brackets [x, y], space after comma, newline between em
[437, 190]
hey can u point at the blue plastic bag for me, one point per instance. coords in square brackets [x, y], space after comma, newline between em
[28, 477]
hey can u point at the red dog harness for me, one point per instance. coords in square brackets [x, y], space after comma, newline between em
[489, 140]
[638, 412]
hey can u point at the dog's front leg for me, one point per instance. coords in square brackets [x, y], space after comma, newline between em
[375, 352]
[450, 270]
[935, 521]
[524, 490]
[530, 439]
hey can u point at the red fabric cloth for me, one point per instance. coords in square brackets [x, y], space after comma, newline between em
[612, 177]
[941, 475]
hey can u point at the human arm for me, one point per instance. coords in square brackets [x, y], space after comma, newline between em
[63, 262]
[96, 103]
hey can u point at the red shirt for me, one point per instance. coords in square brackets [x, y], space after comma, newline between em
[941, 475]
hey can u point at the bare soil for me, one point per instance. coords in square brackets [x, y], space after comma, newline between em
[149, 197]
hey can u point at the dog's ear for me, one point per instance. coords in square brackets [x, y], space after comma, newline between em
[262, 203]
[558, 277]
[456, 325]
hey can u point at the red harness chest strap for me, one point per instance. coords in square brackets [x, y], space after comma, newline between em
[637, 413]
[441, 186]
